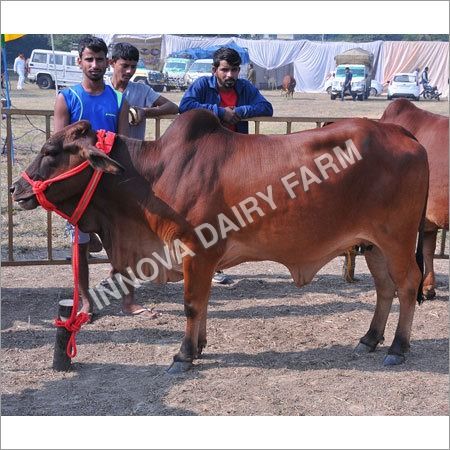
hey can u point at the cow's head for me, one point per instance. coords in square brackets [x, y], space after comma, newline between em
[65, 150]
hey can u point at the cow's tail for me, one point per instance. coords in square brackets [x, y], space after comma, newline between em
[419, 251]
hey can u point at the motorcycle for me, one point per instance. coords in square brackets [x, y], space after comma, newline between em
[430, 93]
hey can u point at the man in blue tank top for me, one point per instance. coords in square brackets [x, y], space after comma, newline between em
[100, 104]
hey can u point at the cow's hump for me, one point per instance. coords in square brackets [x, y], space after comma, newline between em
[194, 124]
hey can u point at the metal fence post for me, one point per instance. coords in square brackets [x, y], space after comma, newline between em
[9, 178]
[49, 214]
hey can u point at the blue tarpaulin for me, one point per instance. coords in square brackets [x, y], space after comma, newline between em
[204, 53]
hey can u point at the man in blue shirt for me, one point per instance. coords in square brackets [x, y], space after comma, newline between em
[229, 97]
[100, 104]
[425, 78]
[347, 86]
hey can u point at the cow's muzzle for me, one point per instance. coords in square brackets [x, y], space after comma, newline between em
[22, 195]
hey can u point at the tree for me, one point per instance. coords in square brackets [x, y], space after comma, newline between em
[65, 42]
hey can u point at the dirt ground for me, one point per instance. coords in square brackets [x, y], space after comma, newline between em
[273, 349]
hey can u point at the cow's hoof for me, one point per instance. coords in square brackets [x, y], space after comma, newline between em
[429, 293]
[179, 367]
[393, 360]
[362, 349]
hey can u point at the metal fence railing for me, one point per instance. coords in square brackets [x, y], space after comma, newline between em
[47, 115]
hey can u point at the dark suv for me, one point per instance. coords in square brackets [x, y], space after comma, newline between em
[156, 80]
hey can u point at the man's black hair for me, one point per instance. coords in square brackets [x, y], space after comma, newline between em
[92, 43]
[229, 55]
[124, 50]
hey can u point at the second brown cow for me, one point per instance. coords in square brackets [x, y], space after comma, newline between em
[431, 130]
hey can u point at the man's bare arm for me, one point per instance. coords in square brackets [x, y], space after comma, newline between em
[61, 114]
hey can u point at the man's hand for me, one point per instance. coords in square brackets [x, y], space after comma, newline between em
[136, 115]
[230, 116]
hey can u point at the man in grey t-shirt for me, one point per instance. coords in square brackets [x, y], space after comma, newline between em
[145, 101]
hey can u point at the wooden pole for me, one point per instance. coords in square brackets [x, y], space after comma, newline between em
[61, 362]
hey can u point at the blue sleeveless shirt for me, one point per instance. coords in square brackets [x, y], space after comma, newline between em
[102, 110]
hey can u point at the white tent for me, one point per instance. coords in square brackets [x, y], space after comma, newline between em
[309, 62]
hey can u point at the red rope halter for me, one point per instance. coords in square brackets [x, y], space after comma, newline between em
[105, 142]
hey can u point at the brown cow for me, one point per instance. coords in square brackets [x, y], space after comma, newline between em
[220, 198]
[431, 130]
[288, 86]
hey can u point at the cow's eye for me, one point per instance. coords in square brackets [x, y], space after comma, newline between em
[51, 152]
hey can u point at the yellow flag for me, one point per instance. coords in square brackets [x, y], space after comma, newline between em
[11, 37]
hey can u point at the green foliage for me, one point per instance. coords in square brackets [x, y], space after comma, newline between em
[65, 42]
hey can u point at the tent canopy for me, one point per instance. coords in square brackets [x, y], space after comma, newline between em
[308, 61]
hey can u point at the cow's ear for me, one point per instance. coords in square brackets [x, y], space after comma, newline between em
[78, 130]
[100, 161]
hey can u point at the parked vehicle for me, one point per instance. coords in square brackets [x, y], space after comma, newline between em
[46, 67]
[360, 62]
[360, 86]
[200, 68]
[153, 78]
[174, 71]
[404, 85]
[141, 74]
[431, 93]
[376, 88]
[156, 80]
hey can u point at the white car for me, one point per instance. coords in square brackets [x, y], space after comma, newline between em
[200, 68]
[404, 85]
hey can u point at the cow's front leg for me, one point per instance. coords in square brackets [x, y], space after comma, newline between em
[198, 272]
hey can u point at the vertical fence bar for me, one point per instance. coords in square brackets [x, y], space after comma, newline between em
[257, 123]
[318, 124]
[9, 177]
[443, 237]
[288, 127]
[49, 214]
[157, 127]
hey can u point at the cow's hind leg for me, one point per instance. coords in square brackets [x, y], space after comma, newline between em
[406, 275]
[197, 286]
[385, 289]
[429, 247]
[407, 294]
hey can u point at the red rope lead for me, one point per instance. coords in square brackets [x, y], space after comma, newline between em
[105, 142]
[76, 320]
[73, 327]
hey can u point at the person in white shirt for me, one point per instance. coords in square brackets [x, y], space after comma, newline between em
[19, 68]
[416, 74]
